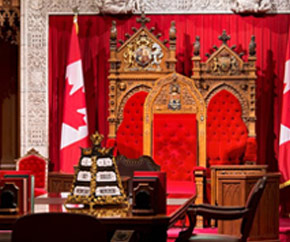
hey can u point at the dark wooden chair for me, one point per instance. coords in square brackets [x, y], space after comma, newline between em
[246, 213]
[58, 227]
[127, 167]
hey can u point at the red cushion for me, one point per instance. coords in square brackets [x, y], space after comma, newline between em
[37, 166]
[39, 192]
[174, 149]
[181, 187]
[226, 132]
[130, 132]
[13, 172]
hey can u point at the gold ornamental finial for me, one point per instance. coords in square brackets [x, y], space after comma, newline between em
[97, 138]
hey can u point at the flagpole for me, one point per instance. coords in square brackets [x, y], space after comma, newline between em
[75, 20]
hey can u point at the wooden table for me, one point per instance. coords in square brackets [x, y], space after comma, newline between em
[147, 228]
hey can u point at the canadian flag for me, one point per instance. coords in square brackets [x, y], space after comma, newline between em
[284, 144]
[74, 132]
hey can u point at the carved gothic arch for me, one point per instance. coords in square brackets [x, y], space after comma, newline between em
[126, 96]
[242, 99]
[191, 102]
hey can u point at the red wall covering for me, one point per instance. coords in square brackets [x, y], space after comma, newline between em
[271, 37]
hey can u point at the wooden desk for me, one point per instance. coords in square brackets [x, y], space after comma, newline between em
[231, 170]
[233, 190]
[147, 228]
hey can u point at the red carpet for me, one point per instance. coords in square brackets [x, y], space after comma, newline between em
[284, 230]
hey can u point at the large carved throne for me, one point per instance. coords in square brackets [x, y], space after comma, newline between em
[227, 83]
[143, 81]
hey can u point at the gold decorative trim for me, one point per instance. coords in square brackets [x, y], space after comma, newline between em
[94, 199]
[285, 184]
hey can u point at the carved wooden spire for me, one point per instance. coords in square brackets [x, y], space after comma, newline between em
[196, 46]
[172, 36]
[224, 37]
[113, 36]
[143, 19]
[252, 46]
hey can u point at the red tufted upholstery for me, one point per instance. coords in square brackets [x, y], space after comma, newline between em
[130, 132]
[227, 134]
[174, 150]
[251, 150]
[38, 166]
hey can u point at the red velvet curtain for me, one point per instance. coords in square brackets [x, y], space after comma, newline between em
[271, 37]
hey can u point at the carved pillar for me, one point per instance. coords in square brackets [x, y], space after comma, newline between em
[113, 83]
[252, 86]
[172, 47]
[200, 181]
[196, 69]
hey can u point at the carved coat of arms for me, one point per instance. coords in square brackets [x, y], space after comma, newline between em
[143, 55]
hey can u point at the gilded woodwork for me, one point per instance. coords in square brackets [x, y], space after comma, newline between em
[226, 70]
[10, 21]
[92, 197]
[190, 101]
[135, 65]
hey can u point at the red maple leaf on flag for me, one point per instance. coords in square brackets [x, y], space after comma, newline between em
[73, 103]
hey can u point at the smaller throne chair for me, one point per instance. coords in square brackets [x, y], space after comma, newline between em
[227, 84]
[38, 166]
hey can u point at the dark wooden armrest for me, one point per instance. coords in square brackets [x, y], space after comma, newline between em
[218, 214]
[220, 208]
[213, 213]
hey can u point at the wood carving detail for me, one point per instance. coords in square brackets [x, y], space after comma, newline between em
[10, 21]
[143, 53]
[226, 70]
[224, 64]
[125, 98]
[189, 101]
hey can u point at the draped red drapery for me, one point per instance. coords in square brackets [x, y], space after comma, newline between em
[94, 32]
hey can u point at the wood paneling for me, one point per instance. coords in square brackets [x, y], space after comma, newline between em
[233, 190]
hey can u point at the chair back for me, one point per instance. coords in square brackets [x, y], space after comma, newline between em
[37, 164]
[58, 227]
[252, 204]
[127, 166]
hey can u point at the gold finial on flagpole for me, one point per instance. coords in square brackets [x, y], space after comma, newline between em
[76, 13]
